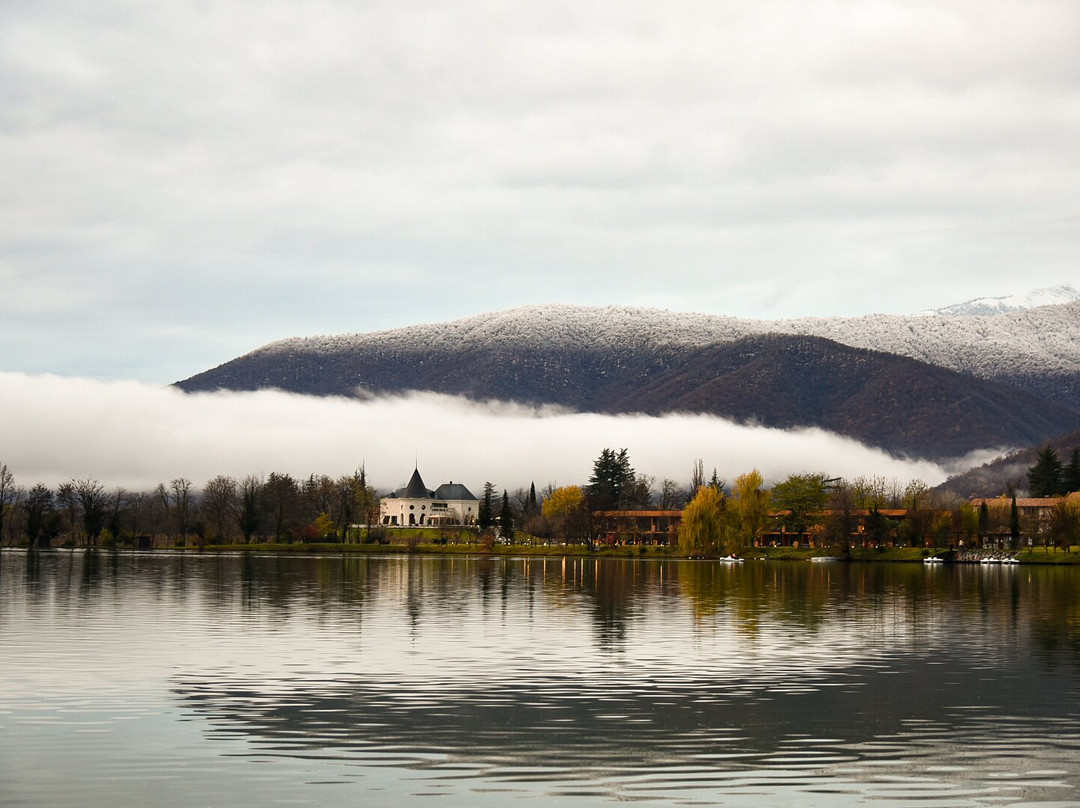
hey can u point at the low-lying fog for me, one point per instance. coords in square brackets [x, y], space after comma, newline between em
[136, 435]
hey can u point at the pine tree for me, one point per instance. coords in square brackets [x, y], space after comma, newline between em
[1072, 472]
[506, 518]
[716, 482]
[486, 517]
[1046, 477]
[612, 480]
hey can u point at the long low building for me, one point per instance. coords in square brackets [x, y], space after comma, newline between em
[416, 505]
[662, 527]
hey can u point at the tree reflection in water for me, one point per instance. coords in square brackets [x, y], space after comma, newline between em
[629, 679]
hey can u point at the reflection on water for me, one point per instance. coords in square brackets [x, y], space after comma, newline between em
[468, 681]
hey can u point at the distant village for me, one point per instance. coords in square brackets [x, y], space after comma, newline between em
[616, 507]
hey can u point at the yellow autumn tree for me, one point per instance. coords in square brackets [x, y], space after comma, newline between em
[564, 510]
[701, 531]
[751, 504]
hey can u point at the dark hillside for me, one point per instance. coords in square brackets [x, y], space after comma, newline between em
[899, 404]
[893, 402]
[1009, 471]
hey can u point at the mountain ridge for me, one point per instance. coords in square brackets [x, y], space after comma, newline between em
[1065, 293]
[1035, 349]
[622, 359]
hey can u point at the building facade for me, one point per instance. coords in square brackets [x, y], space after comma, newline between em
[416, 505]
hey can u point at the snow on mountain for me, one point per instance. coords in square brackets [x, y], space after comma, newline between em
[982, 306]
[1029, 344]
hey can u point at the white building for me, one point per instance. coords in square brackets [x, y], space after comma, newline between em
[449, 504]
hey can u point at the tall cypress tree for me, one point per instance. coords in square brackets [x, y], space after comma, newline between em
[486, 516]
[1014, 522]
[506, 518]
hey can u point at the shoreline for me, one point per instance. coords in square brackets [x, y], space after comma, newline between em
[893, 555]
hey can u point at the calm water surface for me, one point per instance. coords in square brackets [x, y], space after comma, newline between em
[172, 680]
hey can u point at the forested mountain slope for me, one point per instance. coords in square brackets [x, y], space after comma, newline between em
[1037, 349]
[1008, 471]
[881, 399]
[632, 361]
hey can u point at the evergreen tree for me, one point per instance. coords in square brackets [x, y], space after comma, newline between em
[984, 520]
[533, 506]
[1072, 472]
[612, 480]
[506, 518]
[1014, 522]
[1046, 477]
[716, 482]
[486, 516]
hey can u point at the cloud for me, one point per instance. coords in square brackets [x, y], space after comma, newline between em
[236, 176]
[136, 435]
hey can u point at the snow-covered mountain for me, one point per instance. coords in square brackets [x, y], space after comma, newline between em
[982, 306]
[1037, 349]
[803, 372]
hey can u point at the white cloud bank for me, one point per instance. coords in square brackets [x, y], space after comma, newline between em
[136, 435]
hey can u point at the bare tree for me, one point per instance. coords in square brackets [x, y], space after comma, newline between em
[344, 504]
[249, 516]
[521, 500]
[8, 494]
[164, 504]
[137, 512]
[671, 496]
[69, 501]
[120, 498]
[697, 478]
[95, 502]
[219, 500]
[182, 494]
[38, 508]
[282, 498]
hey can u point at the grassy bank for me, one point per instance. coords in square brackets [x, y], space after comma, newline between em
[417, 547]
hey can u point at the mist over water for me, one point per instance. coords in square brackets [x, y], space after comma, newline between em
[323, 680]
[136, 435]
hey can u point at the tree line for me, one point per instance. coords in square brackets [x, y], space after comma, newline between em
[717, 518]
[226, 509]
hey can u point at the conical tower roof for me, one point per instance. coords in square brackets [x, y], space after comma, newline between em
[416, 488]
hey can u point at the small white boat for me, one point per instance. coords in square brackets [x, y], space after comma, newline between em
[824, 559]
[732, 559]
[933, 560]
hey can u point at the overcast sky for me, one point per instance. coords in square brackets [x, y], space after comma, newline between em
[185, 181]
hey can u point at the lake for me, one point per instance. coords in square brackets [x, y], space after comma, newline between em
[235, 680]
